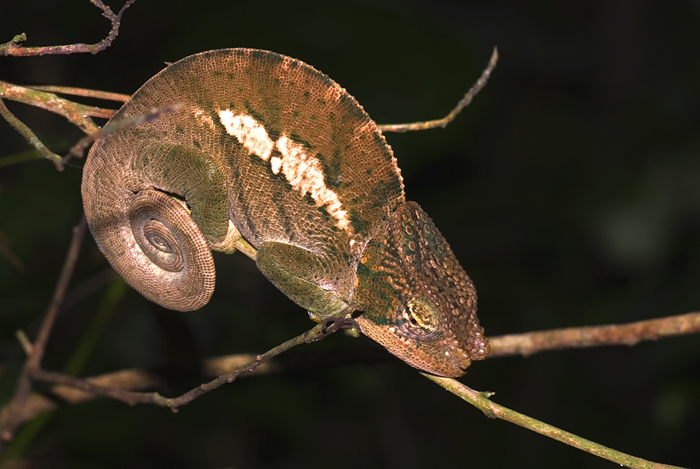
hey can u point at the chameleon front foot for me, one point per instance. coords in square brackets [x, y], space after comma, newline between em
[343, 321]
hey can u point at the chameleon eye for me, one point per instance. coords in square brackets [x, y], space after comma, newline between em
[420, 317]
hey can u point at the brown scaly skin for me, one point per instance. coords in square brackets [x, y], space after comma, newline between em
[269, 156]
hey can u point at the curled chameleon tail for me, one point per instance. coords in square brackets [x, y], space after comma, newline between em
[158, 217]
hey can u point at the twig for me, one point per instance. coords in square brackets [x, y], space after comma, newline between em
[616, 334]
[27, 133]
[516, 344]
[78, 114]
[316, 333]
[98, 94]
[481, 401]
[501, 346]
[11, 414]
[464, 102]
[13, 48]
[136, 379]
[34, 360]
[121, 385]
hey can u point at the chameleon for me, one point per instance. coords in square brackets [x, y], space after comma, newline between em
[266, 155]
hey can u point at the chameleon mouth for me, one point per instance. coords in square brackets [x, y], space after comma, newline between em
[440, 357]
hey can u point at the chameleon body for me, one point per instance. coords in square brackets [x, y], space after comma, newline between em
[269, 156]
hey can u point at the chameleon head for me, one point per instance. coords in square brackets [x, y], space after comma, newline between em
[416, 299]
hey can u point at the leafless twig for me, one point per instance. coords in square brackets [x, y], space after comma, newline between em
[318, 332]
[14, 48]
[616, 334]
[98, 94]
[482, 401]
[11, 414]
[73, 390]
[464, 102]
[78, 114]
[27, 133]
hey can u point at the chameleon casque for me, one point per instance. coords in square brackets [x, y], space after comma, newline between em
[269, 156]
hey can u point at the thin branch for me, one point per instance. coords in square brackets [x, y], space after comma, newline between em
[131, 379]
[87, 93]
[501, 346]
[13, 46]
[318, 332]
[27, 133]
[137, 379]
[481, 401]
[76, 113]
[121, 385]
[617, 334]
[42, 339]
[464, 102]
[11, 414]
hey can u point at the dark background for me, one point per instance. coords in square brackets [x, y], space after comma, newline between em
[569, 190]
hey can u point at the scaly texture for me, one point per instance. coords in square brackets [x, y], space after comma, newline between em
[417, 300]
[266, 150]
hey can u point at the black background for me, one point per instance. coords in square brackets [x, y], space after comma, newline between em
[569, 190]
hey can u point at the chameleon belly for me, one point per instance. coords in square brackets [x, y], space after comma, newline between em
[266, 150]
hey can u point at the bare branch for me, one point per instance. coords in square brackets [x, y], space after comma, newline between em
[99, 94]
[122, 385]
[616, 334]
[27, 133]
[13, 46]
[515, 344]
[132, 379]
[11, 414]
[318, 332]
[76, 113]
[73, 391]
[42, 339]
[481, 401]
[464, 102]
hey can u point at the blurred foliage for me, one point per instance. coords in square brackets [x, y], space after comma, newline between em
[569, 189]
